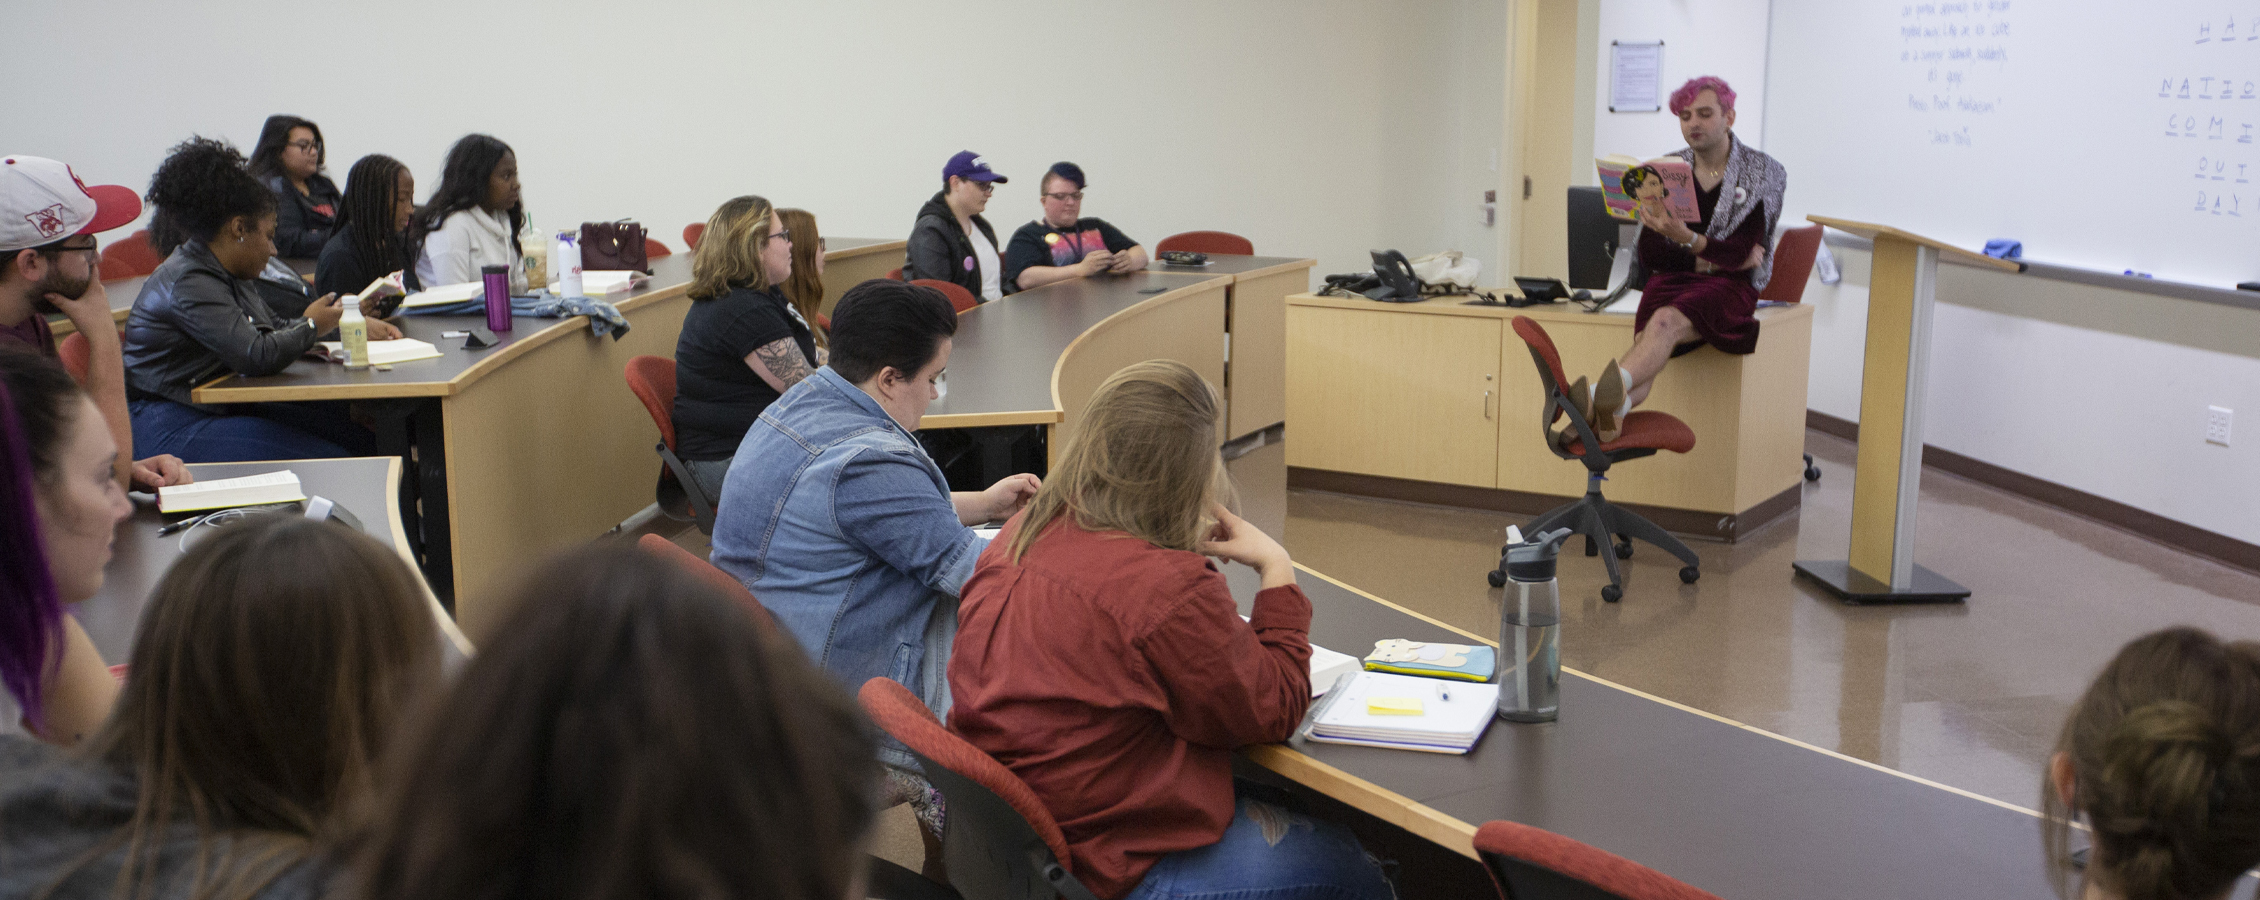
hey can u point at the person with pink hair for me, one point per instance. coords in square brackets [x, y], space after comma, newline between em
[1703, 276]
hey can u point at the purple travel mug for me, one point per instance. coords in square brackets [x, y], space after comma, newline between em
[498, 296]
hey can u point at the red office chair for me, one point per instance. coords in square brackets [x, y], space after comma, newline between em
[1793, 257]
[691, 234]
[73, 352]
[999, 841]
[894, 274]
[1207, 242]
[652, 378]
[653, 249]
[1535, 864]
[131, 257]
[960, 298]
[674, 553]
[1593, 516]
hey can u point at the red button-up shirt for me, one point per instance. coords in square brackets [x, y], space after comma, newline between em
[1116, 678]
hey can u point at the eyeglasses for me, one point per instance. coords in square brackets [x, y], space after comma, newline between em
[305, 146]
[1064, 196]
[986, 187]
[785, 236]
[59, 248]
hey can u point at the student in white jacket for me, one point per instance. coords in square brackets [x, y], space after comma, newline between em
[473, 219]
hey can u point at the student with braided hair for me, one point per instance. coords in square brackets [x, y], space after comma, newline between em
[372, 236]
[2162, 759]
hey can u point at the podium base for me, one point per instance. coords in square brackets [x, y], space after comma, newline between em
[1839, 579]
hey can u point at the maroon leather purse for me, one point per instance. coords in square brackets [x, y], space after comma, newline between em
[613, 246]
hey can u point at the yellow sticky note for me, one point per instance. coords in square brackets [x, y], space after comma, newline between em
[1393, 706]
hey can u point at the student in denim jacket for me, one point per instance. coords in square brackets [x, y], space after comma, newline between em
[840, 523]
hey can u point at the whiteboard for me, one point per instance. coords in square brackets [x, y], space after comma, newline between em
[2104, 135]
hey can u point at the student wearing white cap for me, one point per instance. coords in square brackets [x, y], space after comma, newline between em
[48, 261]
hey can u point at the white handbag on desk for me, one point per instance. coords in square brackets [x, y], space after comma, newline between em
[1448, 267]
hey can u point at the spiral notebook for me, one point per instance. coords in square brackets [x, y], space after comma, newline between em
[1404, 712]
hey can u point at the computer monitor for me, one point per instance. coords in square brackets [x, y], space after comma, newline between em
[1594, 236]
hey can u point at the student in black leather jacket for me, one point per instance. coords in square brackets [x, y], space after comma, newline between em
[951, 242]
[200, 316]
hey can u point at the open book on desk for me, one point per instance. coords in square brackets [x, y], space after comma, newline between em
[381, 353]
[1403, 712]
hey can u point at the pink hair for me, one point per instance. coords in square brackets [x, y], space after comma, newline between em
[1685, 97]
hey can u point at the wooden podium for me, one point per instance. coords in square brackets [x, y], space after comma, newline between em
[1901, 291]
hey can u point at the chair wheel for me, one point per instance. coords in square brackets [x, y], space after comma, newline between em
[1612, 593]
[1624, 549]
[1812, 473]
[1496, 577]
[1591, 549]
[1688, 574]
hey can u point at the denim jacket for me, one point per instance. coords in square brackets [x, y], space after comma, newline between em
[840, 523]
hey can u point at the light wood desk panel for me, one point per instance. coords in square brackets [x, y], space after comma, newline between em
[1748, 412]
[1424, 391]
[852, 261]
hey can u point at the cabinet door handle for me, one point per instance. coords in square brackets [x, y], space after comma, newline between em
[1487, 404]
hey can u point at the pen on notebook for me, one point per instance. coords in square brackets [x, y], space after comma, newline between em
[1443, 692]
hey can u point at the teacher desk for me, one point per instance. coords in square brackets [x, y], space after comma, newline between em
[1440, 402]
[1731, 809]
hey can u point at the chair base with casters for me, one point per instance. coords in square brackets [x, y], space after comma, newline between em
[1644, 432]
[1597, 519]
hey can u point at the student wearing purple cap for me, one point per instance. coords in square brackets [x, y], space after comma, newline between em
[49, 262]
[951, 242]
[1063, 244]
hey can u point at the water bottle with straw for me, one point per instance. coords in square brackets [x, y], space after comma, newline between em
[1530, 629]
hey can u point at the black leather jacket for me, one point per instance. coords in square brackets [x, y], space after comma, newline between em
[940, 250]
[194, 322]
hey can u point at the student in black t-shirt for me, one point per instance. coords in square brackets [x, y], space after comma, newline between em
[742, 344]
[1063, 244]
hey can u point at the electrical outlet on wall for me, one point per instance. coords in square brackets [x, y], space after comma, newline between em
[2217, 422]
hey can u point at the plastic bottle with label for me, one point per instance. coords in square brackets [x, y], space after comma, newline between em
[353, 332]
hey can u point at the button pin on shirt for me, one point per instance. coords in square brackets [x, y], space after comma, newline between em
[969, 264]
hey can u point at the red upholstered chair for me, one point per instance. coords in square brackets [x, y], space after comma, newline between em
[723, 581]
[1645, 432]
[1535, 864]
[1207, 242]
[1793, 257]
[960, 298]
[894, 274]
[73, 353]
[653, 249]
[691, 234]
[652, 378]
[130, 257]
[998, 840]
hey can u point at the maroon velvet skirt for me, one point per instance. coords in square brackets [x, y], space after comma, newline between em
[1722, 309]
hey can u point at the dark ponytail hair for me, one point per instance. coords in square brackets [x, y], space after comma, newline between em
[463, 185]
[266, 156]
[35, 407]
[200, 187]
[366, 211]
[2165, 756]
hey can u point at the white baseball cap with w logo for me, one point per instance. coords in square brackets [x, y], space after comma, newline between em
[42, 202]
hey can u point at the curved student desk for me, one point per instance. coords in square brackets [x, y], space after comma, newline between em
[1731, 809]
[521, 449]
[367, 487]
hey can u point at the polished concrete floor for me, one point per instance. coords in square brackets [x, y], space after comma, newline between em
[1969, 695]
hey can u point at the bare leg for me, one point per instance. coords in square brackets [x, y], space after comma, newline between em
[1651, 349]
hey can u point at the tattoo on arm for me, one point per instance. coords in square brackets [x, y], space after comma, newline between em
[783, 363]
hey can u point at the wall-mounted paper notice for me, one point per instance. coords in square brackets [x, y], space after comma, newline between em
[1636, 72]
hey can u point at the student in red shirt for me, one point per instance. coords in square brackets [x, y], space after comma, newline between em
[1101, 658]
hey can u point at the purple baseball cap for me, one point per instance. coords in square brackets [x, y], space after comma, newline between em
[971, 167]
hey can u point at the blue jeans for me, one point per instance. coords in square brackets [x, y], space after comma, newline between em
[252, 432]
[1312, 860]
